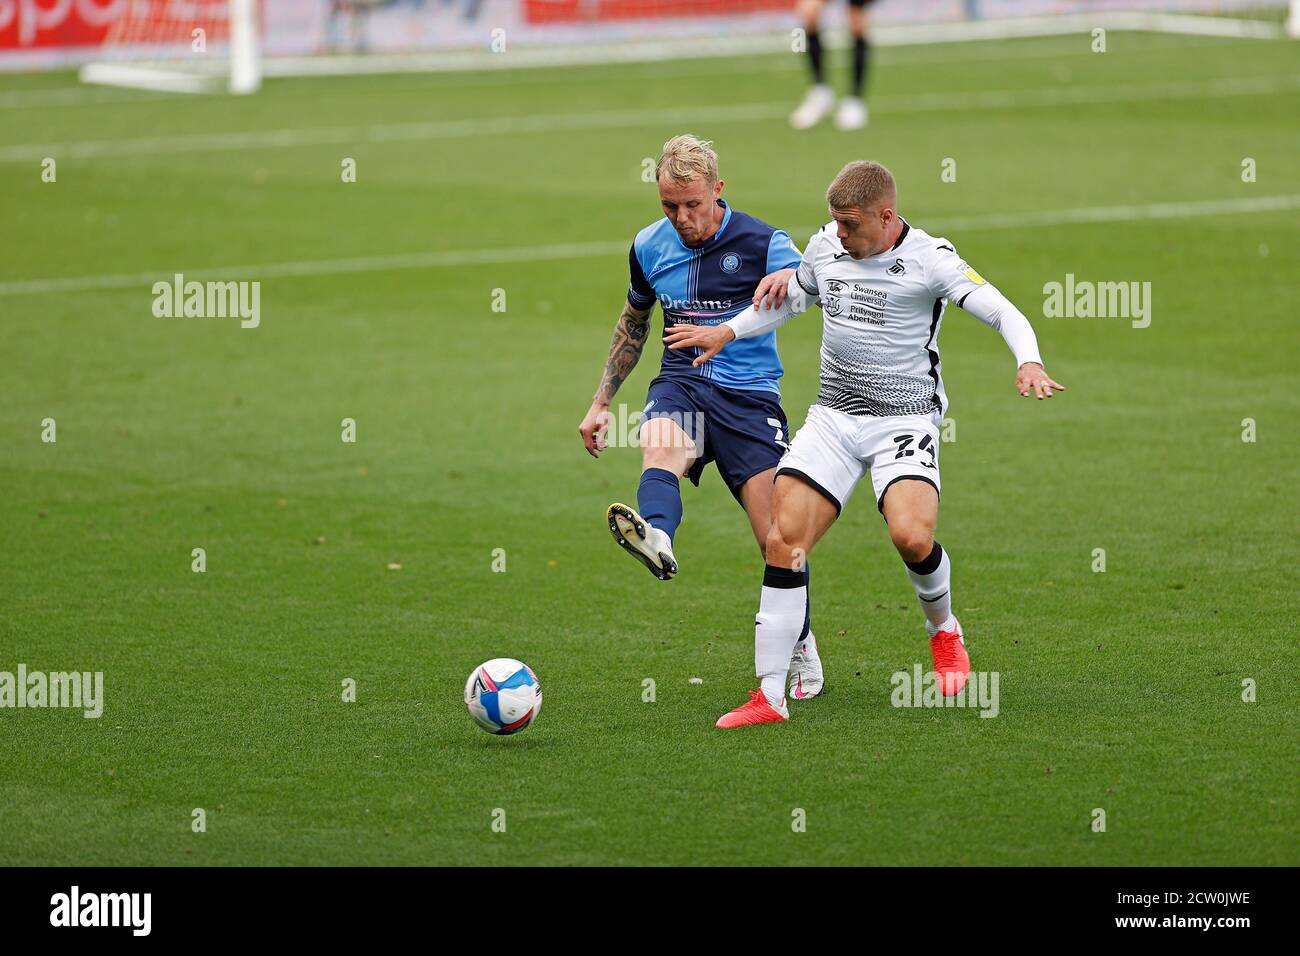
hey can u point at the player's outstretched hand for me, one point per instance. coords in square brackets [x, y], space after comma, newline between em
[770, 293]
[1031, 377]
[710, 338]
[594, 427]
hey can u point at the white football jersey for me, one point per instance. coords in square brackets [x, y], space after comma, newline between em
[880, 320]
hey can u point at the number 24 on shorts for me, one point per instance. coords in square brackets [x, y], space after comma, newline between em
[905, 451]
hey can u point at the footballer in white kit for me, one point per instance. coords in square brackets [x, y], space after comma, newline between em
[881, 400]
[883, 285]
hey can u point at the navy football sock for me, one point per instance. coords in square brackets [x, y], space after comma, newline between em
[659, 499]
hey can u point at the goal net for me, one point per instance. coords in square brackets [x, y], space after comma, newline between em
[183, 46]
[208, 45]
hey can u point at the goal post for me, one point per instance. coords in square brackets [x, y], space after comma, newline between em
[181, 46]
[245, 60]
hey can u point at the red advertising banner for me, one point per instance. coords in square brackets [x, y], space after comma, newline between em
[595, 11]
[42, 24]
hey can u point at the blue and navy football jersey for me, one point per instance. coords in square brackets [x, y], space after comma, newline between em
[708, 285]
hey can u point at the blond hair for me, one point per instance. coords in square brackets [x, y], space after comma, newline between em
[687, 157]
[860, 184]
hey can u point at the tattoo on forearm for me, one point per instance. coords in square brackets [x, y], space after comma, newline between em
[625, 350]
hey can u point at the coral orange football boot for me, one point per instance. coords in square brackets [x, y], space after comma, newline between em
[951, 661]
[756, 711]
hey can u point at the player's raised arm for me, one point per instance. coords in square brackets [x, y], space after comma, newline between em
[783, 259]
[768, 312]
[950, 276]
[711, 339]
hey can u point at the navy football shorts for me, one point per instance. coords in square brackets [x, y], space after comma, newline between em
[744, 431]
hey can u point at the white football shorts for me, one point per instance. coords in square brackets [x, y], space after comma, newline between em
[833, 450]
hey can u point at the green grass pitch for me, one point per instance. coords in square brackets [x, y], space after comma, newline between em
[1119, 690]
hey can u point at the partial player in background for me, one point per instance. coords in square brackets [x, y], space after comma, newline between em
[819, 101]
[701, 260]
[882, 285]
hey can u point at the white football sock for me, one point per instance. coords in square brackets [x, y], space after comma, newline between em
[781, 614]
[932, 580]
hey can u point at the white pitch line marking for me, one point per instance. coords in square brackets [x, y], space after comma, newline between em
[614, 119]
[893, 57]
[1087, 215]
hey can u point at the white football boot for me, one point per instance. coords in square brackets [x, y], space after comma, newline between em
[816, 106]
[806, 677]
[852, 113]
[649, 545]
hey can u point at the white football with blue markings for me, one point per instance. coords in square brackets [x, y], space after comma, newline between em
[503, 695]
